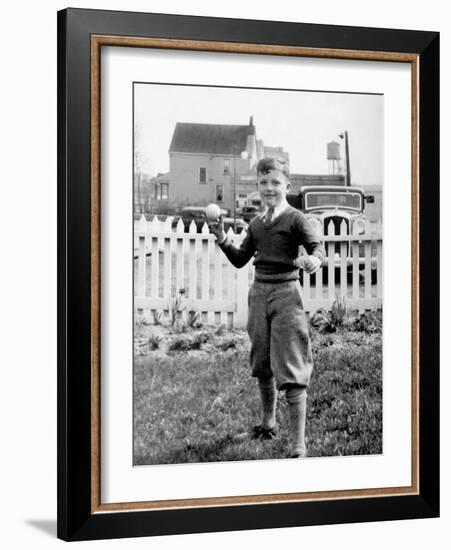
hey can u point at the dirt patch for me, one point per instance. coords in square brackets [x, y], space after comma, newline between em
[150, 338]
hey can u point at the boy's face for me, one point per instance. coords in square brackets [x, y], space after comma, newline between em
[273, 187]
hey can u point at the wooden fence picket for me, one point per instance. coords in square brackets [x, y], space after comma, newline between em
[192, 267]
[205, 269]
[230, 270]
[142, 266]
[344, 246]
[367, 270]
[210, 266]
[330, 258]
[379, 276]
[154, 265]
[167, 263]
[319, 285]
[380, 262]
[355, 270]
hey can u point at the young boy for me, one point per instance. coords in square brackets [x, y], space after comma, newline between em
[281, 356]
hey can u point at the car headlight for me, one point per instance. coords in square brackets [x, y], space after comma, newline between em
[358, 227]
[316, 225]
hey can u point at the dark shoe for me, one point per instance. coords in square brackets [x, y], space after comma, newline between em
[260, 432]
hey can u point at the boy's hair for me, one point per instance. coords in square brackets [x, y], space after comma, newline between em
[266, 164]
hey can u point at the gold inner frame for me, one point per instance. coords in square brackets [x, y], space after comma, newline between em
[97, 41]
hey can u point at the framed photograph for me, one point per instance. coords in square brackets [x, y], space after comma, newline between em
[248, 274]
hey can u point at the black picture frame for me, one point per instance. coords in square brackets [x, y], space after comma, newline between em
[77, 518]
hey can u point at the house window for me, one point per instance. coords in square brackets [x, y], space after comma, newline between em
[164, 191]
[219, 193]
[161, 191]
[202, 175]
[226, 166]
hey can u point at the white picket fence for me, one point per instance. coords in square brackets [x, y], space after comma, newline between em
[168, 260]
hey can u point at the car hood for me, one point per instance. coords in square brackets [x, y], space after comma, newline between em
[328, 212]
[231, 220]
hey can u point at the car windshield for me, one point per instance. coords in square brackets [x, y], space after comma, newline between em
[196, 213]
[331, 200]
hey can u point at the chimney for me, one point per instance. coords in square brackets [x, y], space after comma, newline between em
[251, 121]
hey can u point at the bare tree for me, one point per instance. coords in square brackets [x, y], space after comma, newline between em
[138, 170]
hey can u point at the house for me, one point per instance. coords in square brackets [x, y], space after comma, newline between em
[213, 163]
[373, 202]
[160, 194]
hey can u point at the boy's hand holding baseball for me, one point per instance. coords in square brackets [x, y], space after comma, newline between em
[312, 264]
[217, 228]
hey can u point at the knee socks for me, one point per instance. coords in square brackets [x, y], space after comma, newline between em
[269, 401]
[297, 406]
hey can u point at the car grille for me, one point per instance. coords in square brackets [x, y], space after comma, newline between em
[337, 221]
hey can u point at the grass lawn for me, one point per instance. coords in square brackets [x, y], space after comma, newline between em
[194, 393]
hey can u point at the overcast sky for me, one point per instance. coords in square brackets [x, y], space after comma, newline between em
[302, 122]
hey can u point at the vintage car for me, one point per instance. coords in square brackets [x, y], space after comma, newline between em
[249, 212]
[197, 214]
[326, 204]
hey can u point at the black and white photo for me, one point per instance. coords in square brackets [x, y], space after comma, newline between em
[257, 257]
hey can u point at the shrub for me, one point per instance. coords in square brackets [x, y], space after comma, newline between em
[194, 319]
[228, 344]
[220, 330]
[190, 342]
[154, 341]
[157, 317]
[139, 327]
[174, 306]
[333, 320]
[369, 322]
[202, 338]
[180, 344]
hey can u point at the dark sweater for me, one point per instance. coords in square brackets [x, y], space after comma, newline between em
[275, 245]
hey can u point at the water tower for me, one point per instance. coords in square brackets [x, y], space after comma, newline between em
[333, 156]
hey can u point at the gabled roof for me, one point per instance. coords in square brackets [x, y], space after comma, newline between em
[161, 177]
[210, 138]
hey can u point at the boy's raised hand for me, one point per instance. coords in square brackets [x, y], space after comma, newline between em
[217, 228]
[312, 264]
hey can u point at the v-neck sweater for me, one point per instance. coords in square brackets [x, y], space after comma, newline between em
[275, 245]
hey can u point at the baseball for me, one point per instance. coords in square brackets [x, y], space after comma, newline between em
[212, 211]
